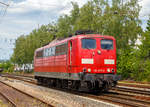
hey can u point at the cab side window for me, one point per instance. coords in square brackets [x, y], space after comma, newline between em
[39, 54]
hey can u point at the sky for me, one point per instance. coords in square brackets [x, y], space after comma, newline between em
[22, 16]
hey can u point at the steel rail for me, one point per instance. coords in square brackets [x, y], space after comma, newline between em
[128, 97]
[29, 80]
[8, 99]
[19, 75]
[134, 85]
[122, 102]
[28, 94]
[132, 90]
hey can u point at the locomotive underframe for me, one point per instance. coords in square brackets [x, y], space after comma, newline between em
[83, 82]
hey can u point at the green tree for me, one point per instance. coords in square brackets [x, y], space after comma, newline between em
[144, 54]
[18, 55]
[118, 19]
[26, 45]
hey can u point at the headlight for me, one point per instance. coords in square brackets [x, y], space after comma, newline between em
[108, 70]
[89, 70]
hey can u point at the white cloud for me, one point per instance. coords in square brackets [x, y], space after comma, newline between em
[145, 12]
[28, 14]
[28, 6]
[25, 15]
[145, 7]
[43, 5]
[36, 5]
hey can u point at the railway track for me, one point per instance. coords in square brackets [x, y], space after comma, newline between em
[136, 85]
[131, 90]
[138, 82]
[19, 98]
[120, 95]
[22, 75]
[120, 99]
[28, 79]
[9, 101]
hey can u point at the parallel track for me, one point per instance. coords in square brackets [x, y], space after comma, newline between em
[146, 86]
[121, 100]
[129, 90]
[8, 92]
[8, 99]
[138, 82]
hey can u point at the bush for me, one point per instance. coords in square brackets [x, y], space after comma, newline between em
[128, 64]
[7, 66]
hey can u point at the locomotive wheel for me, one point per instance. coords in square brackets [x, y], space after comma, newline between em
[51, 82]
[77, 85]
[94, 87]
[64, 84]
[59, 83]
[39, 81]
[106, 87]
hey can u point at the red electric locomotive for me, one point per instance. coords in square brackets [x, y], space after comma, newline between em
[82, 62]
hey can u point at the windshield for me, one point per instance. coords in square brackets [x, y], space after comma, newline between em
[106, 44]
[88, 43]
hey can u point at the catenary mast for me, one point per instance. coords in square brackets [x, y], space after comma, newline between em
[4, 4]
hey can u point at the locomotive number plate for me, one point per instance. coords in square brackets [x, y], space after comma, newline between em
[109, 61]
[87, 61]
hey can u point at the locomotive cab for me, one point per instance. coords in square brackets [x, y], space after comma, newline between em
[98, 54]
[98, 61]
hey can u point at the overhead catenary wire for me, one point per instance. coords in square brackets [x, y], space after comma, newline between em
[3, 50]
[3, 10]
[3, 14]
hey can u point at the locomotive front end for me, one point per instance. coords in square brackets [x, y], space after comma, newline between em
[98, 62]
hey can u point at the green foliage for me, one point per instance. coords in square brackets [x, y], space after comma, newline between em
[135, 63]
[26, 45]
[7, 66]
[144, 54]
[116, 19]
[127, 63]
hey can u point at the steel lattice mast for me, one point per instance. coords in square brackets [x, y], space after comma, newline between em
[4, 4]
